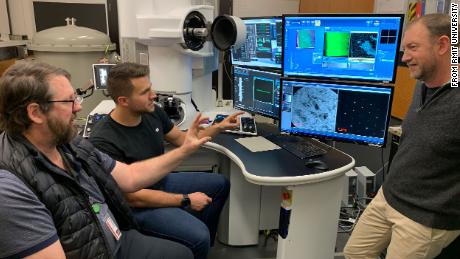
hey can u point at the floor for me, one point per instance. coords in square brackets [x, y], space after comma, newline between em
[221, 251]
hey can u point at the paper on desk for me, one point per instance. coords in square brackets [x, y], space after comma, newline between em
[257, 144]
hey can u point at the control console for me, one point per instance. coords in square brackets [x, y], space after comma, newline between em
[247, 126]
[91, 120]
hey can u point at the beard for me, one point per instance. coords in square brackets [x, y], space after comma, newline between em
[143, 109]
[424, 73]
[426, 70]
[63, 132]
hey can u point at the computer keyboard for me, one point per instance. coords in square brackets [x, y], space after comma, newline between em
[299, 147]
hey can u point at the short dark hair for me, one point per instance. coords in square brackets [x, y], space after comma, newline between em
[21, 84]
[438, 24]
[119, 80]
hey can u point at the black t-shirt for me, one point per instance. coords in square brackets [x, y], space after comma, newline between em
[131, 144]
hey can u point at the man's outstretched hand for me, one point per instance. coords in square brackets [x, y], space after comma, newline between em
[230, 122]
[192, 141]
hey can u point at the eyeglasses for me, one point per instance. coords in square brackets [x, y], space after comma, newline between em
[77, 100]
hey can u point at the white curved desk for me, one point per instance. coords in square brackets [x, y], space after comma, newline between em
[315, 197]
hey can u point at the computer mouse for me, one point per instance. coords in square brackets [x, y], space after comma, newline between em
[317, 164]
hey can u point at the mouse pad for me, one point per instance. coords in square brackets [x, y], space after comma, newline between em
[257, 144]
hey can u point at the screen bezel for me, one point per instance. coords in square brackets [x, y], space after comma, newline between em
[95, 72]
[387, 122]
[276, 117]
[262, 67]
[370, 15]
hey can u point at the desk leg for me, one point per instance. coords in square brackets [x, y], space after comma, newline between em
[239, 220]
[312, 231]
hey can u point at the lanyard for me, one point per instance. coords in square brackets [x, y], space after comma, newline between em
[96, 206]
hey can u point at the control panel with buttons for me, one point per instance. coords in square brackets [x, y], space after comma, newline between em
[91, 120]
[247, 126]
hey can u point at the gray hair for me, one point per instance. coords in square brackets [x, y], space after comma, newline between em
[22, 84]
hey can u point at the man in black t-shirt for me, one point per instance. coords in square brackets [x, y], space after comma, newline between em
[183, 207]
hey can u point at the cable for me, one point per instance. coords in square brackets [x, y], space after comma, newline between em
[349, 216]
[194, 105]
[383, 165]
[225, 69]
[84, 92]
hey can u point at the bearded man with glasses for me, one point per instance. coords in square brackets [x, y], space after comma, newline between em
[60, 196]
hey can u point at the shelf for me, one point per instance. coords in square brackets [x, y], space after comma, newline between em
[12, 43]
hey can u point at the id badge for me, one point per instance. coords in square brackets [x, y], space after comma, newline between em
[113, 227]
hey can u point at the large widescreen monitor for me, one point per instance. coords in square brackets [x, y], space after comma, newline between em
[345, 112]
[256, 91]
[355, 47]
[263, 43]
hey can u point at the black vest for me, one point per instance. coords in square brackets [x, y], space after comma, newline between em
[78, 228]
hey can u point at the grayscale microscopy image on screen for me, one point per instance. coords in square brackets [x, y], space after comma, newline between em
[315, 109]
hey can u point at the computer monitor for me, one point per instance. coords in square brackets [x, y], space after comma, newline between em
[256, 91]
[339, 111]
[100, 75]
[263, 43]
[355, 47]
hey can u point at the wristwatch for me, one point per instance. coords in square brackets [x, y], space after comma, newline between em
[185, 201]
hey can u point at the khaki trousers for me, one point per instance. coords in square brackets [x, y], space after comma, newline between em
[382, 226]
